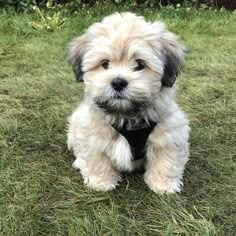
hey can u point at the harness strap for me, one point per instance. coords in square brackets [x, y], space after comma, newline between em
[136, 135]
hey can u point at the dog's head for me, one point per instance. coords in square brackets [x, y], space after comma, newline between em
[125, 62]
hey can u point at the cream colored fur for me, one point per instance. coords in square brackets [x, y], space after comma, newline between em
[100, 151]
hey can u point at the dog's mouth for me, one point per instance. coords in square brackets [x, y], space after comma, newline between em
[120, 105]
[118, 95]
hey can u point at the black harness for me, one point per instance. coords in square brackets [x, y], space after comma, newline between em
[136, 135]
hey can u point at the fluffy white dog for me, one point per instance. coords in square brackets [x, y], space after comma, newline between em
[128, 118]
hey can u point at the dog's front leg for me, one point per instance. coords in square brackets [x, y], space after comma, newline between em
[97, 172]
[89, 137]
[167, 155]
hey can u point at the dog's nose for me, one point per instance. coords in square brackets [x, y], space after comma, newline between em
[119, 84]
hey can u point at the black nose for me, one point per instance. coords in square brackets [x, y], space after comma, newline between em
[119, 84]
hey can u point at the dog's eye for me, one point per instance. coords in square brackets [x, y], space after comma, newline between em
[105, 64]
[140, 65]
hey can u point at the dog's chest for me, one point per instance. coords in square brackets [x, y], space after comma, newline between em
[136, 134]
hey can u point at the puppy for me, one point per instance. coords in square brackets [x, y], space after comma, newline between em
[128, 118]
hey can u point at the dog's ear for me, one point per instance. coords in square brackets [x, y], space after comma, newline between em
[77, 48]
[172, 52]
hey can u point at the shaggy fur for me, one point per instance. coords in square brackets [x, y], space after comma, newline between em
[113, 49]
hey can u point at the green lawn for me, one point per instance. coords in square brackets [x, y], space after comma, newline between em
[41, 194]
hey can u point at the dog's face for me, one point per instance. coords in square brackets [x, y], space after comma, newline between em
[125, 62]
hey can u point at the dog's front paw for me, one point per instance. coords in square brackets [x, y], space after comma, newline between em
[103, 183]
[163, 185]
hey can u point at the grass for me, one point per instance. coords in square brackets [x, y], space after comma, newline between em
[41, 194]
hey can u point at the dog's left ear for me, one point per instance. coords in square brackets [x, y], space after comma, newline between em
[77, 48]
[172, 52]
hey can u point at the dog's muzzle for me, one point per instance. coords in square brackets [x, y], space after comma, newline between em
[117, 100]
[119, 84]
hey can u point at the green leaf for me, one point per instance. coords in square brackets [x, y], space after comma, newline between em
[49, 4]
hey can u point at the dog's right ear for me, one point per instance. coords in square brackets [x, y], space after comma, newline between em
[77, 48]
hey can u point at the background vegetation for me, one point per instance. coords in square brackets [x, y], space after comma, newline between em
[27, 4]
[41, 194]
